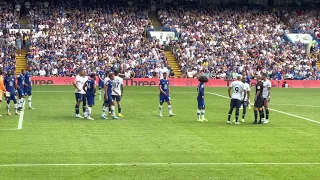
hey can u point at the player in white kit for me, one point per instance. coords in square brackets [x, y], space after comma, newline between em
[78, 83]
[236, 99]
[117, 92]
[246, 97]
[266, 96]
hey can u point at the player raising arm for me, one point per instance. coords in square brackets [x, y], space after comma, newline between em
[108, 101]
[90, 89]
[200, 99]
[266, 96]
[10, 83]
[258, 101]
[236, 99]
[117, 92]
[246, 97]
[164, 87]
[78, 83]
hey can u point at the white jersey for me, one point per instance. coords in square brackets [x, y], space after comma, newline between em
[80, 81]
[116, 84]
[161, 71]
[266, 86]
[106, 80]
[248, 89]
[237, 89]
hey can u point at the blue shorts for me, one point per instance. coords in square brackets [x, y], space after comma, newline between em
[109, 101]
[20, 92]
[28, 90]
[12, 97]
[235, 103]
[116, 98]
[101, 84]
[90, 99]
[164, 98]
[201, 104]
[80, 97]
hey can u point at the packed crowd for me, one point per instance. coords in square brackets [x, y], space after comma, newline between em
[221, 43]
[218, 43]
[10, 42]
[66, 39]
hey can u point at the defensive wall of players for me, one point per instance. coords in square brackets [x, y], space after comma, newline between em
[177, 82]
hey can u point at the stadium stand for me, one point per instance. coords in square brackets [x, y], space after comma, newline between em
[226, 42]
[216, 42]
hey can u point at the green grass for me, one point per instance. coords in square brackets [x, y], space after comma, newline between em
[51, 135]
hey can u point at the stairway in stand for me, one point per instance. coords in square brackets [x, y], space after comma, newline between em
[21, 61]
[173, 63]
[318, 64]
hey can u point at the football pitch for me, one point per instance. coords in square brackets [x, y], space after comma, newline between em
[53, 144]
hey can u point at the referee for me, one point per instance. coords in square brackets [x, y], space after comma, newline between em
[258, 101]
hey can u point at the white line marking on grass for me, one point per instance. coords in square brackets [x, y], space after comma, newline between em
[8, 129]
[297, 105]
[20, 120]
[154, 164]
[289, 114]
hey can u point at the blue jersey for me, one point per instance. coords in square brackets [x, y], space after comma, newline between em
[200, 90]
[9, 82]
[102, 74]
[91, 83]
[109, 88]
[164, 84]
[21, 80]
[28, 79]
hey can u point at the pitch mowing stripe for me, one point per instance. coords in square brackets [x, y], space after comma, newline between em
[156, 164]
[289, 114]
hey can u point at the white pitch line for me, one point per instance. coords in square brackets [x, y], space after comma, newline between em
[20, 120]
[8, 129]
[297, 105]
[289, 114]
[154, 164]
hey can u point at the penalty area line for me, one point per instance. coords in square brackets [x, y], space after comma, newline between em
[20, 120]
[281, 112]
[155, 164]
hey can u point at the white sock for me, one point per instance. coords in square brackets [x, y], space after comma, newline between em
[112, 111]
[202, 114]
[198, 114]
[29, 101]
[22, 102]
[16, 107]
[8, 107]
[89, 111]
[104, 110]
[100, 93]
[170, 109]
[160, 109]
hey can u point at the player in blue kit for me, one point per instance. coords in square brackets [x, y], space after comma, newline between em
[90, 89]
[164, 87]
[20, 87]
[200, 99]
[28, 87]
[102, 75]
[108, 101]
[10, 84]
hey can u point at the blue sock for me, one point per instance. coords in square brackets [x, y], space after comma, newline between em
[77, 109]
